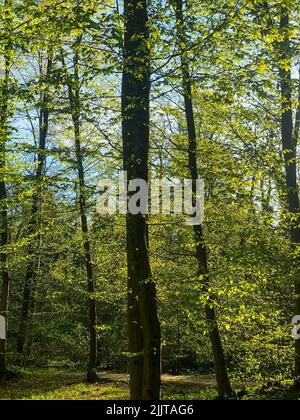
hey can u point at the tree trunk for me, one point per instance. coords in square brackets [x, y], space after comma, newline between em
[74, 99]
[33, 226]
[224, 387]
[289, 148]
[4, 117]
[143, 322]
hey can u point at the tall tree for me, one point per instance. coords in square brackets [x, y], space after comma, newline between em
[143, 322]
[4, 132]
[289, 136]
[33, 226]
[75, 107]
[224, 386]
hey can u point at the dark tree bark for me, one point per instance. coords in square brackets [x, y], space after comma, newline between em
[224, 387]
[4, 119]
[143, 322]
[74, 99]
[290, 133]
[33, 226]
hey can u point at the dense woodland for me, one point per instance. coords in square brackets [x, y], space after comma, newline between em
[161, 89]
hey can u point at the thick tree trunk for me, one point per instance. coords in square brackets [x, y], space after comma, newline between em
[74, 98]
[289, 148]
[223, 382]
[4, 116]
[33, 222]
[143, 322]
[135, 331]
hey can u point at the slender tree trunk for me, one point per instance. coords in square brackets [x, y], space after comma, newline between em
[289, 147]
[74, 98]
[4, 117]
[143, 322]
[33, 226]
[3, 214]
[223, 382]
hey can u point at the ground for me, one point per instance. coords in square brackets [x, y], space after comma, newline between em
[60, 384]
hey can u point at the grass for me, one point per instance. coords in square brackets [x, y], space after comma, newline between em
[62, 384]
[276, 391]
[53, 384]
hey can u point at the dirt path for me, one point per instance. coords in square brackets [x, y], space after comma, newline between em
[202, 381]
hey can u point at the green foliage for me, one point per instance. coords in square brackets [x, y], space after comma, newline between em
[234, 55]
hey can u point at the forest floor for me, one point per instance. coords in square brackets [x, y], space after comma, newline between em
[60, 384]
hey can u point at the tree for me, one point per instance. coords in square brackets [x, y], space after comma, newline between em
[143, 322]
[73, 84]
[4, 133]
[33, 226]
[224, 386]
[289, 136]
